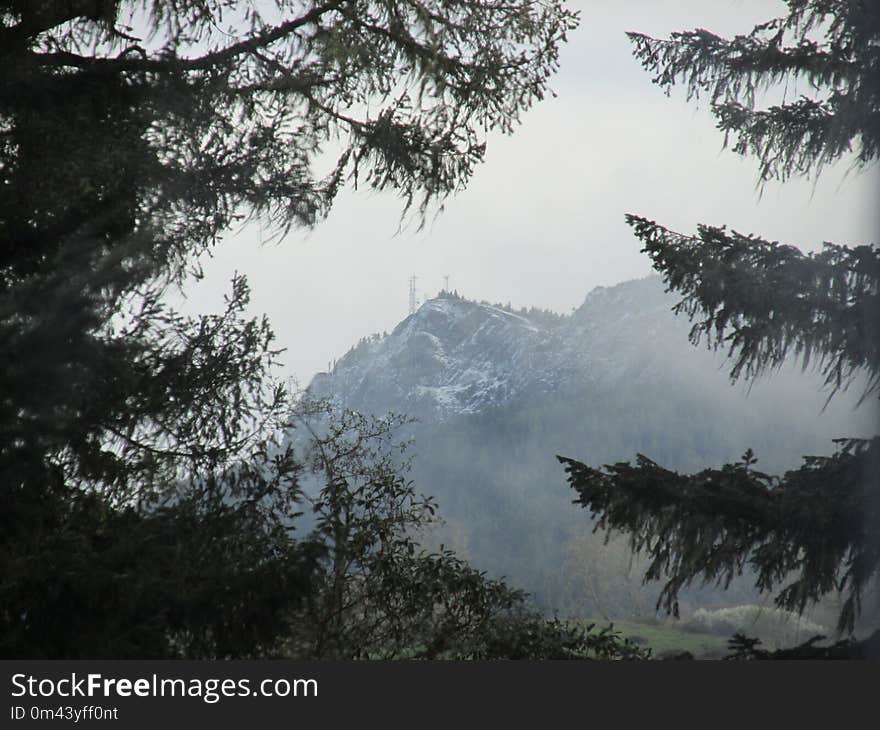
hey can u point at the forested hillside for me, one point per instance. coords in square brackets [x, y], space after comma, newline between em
[499, 392]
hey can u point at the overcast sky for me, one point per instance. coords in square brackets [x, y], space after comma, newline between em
[542, 221]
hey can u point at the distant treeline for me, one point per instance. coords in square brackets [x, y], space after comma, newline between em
[536, 314]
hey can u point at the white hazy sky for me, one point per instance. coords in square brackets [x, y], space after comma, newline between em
[542, 221]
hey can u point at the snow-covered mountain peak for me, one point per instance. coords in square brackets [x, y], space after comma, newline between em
[455, 356]
[451, 356]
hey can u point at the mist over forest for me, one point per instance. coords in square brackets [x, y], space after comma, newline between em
[496, 393]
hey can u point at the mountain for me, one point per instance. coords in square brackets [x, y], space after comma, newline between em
[451, 357]
[455, 356]
[498, 393]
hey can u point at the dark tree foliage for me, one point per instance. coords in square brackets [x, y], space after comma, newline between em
[132, 135]
[816, 529]
[119, 538]
[743, 647]
[211, 573]
[829, 46]
[763, 301]
[527, 635]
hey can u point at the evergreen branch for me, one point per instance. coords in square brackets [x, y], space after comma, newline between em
[124, 63]
[764, 301]
[817, 528]
[744, 648]
[796, 137]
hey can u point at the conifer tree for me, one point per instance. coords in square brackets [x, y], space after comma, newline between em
[816, 529]
[132, 136]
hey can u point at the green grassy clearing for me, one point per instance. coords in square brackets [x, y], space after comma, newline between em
[667, 638]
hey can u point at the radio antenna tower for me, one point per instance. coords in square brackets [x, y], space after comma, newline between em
[446, 283]
[412, 294]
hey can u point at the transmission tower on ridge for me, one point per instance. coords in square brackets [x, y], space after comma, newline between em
[446, 283]
[412, 294]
